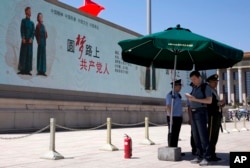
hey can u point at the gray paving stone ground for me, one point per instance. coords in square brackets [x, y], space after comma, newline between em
[81, 149]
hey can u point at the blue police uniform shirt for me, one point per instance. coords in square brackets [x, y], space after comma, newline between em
[197, 92]
[177, 110]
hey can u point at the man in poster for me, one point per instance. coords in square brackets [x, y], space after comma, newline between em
[27, 35]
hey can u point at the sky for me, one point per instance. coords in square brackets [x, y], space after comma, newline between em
[226, 21]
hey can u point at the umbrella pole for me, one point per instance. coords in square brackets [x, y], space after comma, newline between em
[172, 100]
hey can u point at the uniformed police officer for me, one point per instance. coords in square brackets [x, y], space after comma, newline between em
[214, 116]
[177, 113]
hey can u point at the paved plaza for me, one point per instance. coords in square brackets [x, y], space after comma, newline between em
[81, 149]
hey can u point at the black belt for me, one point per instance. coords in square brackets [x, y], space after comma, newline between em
[199, 108]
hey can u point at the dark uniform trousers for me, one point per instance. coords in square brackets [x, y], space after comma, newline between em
[192, 143]
[176, 127]
[214, 124]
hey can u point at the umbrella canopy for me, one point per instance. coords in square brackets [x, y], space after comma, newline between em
[192, 50]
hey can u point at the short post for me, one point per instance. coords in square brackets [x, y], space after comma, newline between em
[52, 154]
[147, 141]
[224, 125]
[109, 146]
[235, 124]
[244, 124]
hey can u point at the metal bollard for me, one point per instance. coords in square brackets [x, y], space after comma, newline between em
[244, 124]
[147, 141]
[52, 154]
[108, 130]
[235, 125]
[52, 134]
[109, 146]
[224, 125]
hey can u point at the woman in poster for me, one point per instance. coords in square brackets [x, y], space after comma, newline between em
[41, 36]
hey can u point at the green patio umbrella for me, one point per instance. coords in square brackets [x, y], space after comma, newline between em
[179, 49]
[193, 51]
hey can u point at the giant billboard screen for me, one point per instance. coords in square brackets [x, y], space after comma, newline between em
[73, 52]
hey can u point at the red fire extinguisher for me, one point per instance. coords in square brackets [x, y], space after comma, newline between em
[127, 147]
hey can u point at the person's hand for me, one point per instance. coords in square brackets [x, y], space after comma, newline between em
[189, 97]
[221, 103]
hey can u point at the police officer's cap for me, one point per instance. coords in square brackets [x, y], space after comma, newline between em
[177, 82]
[213, 77]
